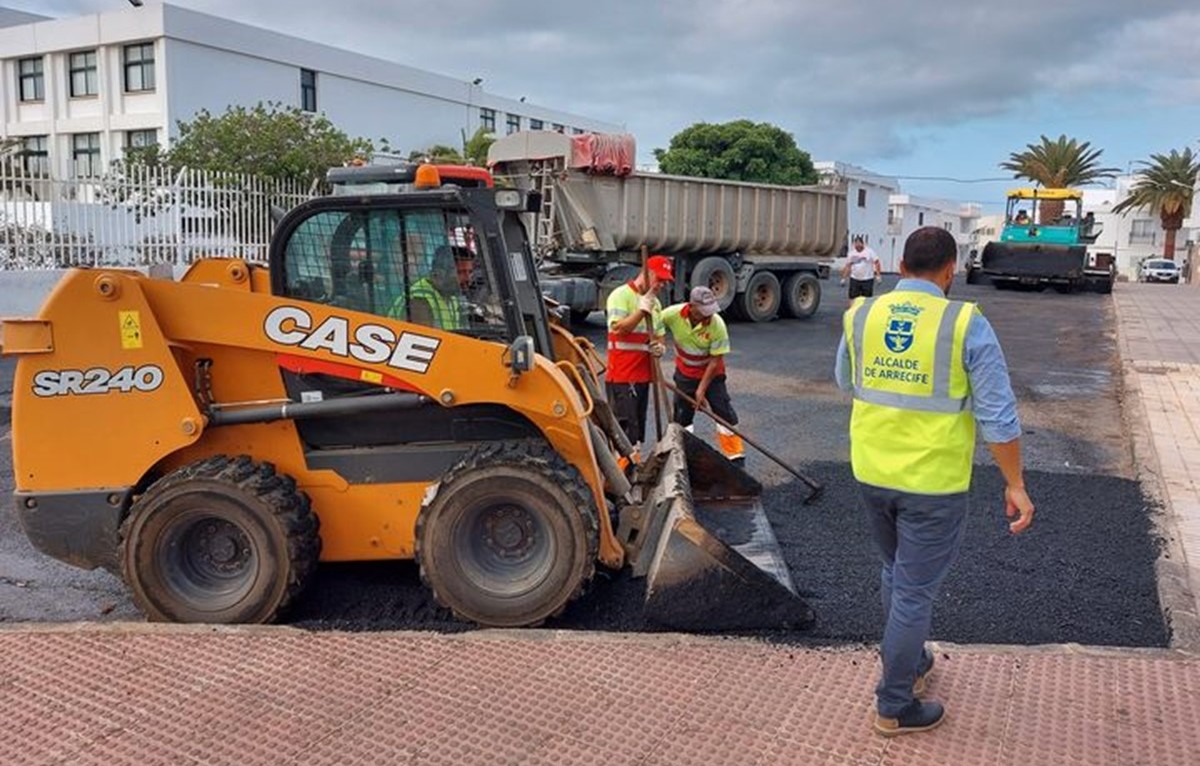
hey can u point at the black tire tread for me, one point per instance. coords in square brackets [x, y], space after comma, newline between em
[290, 506]
[541, 456]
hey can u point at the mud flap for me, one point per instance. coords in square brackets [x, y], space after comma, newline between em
[705, 546]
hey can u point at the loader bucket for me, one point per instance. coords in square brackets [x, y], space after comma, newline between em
[702, 540]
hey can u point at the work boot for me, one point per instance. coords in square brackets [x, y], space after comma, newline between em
[923, 669]
[918, 716]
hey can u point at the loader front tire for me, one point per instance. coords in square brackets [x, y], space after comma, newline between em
[509, 536]
[223, 540]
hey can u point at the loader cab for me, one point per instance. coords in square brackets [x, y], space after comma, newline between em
[1048, 217]
[432, 245]
[444, 252]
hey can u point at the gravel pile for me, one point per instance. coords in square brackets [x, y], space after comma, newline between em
[1084, 573]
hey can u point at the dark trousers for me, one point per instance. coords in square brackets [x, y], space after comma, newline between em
[717, 396]
[629, 402]
[862, 287]
[918, 537]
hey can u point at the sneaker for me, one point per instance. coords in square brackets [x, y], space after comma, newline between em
[740, 462]
[923, 669]
[918, 716]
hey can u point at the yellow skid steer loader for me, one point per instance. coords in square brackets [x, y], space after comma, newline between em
[391, 387]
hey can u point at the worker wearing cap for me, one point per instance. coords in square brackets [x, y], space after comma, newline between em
[635, 341]
[701, 345]
[924, 371]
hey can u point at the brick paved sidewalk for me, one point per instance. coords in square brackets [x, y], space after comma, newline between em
[176, 695]
[1159, 337]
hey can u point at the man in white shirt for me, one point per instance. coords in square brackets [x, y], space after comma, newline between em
[862, 266]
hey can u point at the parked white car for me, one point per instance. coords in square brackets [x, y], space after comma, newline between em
[1159, 270]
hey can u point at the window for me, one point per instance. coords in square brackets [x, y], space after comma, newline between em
[920, 219]
[308, 90]
[138, 139]
[559, 128]
[139, 67]
[893, 216]
[1143, 231]
[84, 81]
[536, 124]
[487, 120]
[862, 197]
[948, 227]
[514, 123]
[32, 81]
[420, 266]
[35, 155]
[85, 152]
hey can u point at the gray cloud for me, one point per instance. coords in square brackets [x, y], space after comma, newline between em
[849, 79]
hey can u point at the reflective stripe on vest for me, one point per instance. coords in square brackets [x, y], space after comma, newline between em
[912, 428]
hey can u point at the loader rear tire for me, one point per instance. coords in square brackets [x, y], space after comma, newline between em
[509, 537]
[224, 540]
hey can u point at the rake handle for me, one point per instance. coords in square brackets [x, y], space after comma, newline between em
[816, 486]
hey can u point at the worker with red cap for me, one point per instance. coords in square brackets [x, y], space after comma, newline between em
[635, 343]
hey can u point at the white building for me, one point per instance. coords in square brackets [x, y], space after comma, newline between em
[907, 213]
[988, 228]
[77, 91]
[1137, 234]
[867, 199]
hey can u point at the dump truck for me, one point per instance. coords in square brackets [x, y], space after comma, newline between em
[763, 249]
[390, 385]
[1048, 246]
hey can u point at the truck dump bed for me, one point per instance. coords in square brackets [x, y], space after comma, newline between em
[589, 212]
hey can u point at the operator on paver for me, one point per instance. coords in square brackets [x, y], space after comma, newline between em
[635, 342]
[924, 371]
[701, 345]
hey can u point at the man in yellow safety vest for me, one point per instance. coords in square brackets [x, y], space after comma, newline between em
[924, 371]
[701, 345]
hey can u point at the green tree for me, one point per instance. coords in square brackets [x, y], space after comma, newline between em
[439, 153]
[474, 151]
[738, 151]
[1166, 187]
[475, 148]
[271, 140]
[1061, 163]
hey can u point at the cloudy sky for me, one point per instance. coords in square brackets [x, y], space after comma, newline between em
[904, 87]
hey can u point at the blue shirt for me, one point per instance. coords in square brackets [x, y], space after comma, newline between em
[992, 397]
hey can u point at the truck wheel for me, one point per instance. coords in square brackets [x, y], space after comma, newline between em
[801, 296]
[761, 299]
[1104, 287]
[509, 536]
[716, 273]
[972, 277]
[224, 540]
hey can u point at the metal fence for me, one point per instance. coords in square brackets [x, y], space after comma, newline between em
[136, 216]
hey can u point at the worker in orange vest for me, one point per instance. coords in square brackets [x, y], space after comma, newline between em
[635, 343]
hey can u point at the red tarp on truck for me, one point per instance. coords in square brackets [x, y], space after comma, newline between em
[604, 153]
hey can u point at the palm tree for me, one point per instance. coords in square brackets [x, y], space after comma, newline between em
[1058, 164]
[1166, 187]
